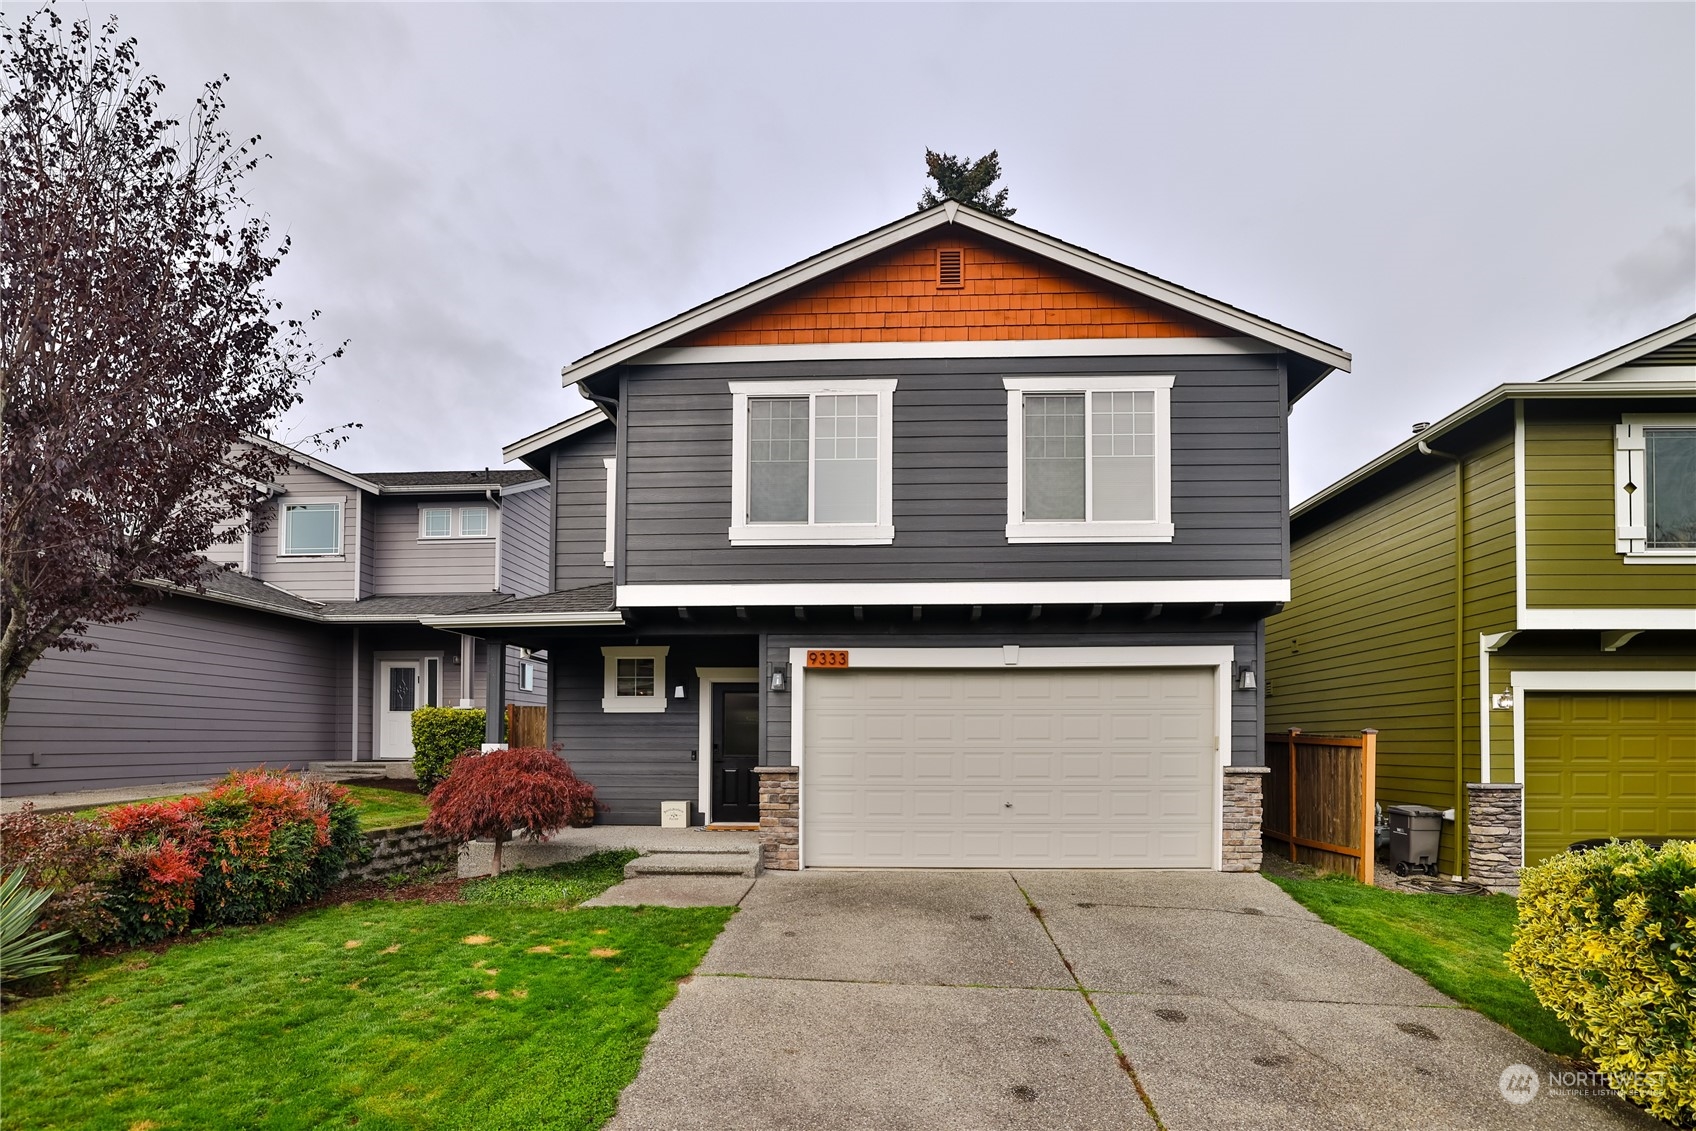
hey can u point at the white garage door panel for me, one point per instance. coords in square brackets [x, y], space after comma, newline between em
[1018, 768]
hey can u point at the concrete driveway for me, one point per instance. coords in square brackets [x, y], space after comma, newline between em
[908, 999]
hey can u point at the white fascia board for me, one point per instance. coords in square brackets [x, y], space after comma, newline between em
[1533, 391]
[951, 213]
[1608, 620]
[318, 465]
[524, 620]
[908, 351]
[553, 434]
[1616, 680]
[1249, 590]
[521, 488]
[1627, 353]
[458, 488]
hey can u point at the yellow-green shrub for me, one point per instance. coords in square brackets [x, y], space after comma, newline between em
[1607, 940]
[439, 735]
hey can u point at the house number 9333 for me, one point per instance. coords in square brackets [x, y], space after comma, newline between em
[827, 658]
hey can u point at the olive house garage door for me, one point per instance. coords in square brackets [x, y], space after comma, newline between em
[1059, 768]
[1607, 765]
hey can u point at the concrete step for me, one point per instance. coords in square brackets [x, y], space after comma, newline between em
[345, 770]
[742, 862]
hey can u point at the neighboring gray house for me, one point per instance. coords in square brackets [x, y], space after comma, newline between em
[950, 546]
[311, 646]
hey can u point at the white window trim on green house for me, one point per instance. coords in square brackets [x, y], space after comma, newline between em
[1022, 528]
[1632, 489]
[285, 542]
[1616, 619]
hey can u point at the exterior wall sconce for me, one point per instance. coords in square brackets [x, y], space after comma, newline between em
[779, 678]
[1502, 701]
[679, 692]
[1245, 678]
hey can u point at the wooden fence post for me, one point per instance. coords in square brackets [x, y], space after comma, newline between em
[1292, 787]
[1368, 805]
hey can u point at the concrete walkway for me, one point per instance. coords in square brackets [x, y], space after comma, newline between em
[89, 798]
[476, 858]
[908, 999]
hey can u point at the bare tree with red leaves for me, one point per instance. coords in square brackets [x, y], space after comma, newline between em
[528, 788]
[138, 351]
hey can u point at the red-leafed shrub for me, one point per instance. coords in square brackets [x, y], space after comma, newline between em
[530, 789]
[75, 858]
[256, 844]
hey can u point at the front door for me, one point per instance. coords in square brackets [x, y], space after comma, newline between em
[736, 751]
[397, 696]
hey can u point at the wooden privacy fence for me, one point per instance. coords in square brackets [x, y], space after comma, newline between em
[1319, 799]
[526, 726]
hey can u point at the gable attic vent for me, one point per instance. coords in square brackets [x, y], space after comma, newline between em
[950, 267]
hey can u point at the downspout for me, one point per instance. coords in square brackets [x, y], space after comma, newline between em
[1459, 653]
[500, 529]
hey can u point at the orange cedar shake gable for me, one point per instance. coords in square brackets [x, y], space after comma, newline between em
[1007, 296]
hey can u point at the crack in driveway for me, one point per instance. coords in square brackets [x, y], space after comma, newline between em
[1106, 1029]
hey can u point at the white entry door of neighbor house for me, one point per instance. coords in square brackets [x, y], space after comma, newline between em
[1064, 768]
[399, 693]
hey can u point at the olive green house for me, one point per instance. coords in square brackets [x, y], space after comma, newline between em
[1509, 597]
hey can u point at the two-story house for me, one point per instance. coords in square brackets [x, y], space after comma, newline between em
[949, 546]
[309, 646]
[1509, 596]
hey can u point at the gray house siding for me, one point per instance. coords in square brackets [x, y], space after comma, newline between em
[406, 563]
[524, 542]
[580, 508]
[635, 761]
[950, 477]
[537, 696]
[328, 578]
[189, 689]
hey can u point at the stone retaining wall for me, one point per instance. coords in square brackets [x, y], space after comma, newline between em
[1495, 850]
[1244, 807]
[402, 850]
[780, 817]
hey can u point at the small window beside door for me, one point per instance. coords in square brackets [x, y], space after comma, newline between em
[453, 522]
[634, 679]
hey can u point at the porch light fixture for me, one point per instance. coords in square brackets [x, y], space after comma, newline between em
[779, 677]
[1246, 682]
[1502, 701]
[678, 692]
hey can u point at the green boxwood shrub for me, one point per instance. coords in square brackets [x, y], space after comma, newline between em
[439, 735]
[1607, 941]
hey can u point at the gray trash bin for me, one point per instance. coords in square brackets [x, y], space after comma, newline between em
[1415, 833]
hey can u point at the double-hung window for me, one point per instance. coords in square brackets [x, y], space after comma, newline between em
[1089, 459]
[312, 528]
[1655, 487]
[811, 462]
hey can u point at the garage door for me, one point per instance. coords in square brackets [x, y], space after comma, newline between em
[1607, 765]
[1070, 768]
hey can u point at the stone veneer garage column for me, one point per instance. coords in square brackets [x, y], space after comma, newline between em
[1240, 831]
[1495, 848]
[780, 817]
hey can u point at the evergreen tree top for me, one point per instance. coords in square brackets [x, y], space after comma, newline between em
[966, 181]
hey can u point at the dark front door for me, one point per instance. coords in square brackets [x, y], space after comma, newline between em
[736, 751]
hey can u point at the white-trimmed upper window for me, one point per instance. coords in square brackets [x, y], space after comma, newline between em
[1089, 459]
[451, 522]
[435, 522]
[1655, 487]
[312, 528]
[634, 679]
[473, 522]
[811, 462]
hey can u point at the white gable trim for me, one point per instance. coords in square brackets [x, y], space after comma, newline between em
[918, 223]
[553, 434]
[1627, 353]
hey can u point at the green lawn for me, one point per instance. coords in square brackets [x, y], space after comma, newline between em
[573, 882]
[376, 1014]
[1455, 942]
[378, 808]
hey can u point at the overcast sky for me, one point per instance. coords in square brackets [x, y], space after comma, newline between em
[1460, 195]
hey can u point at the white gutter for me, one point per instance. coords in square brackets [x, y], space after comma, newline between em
[525, 620]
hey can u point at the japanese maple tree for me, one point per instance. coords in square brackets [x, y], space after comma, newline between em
[529, 788]
[139, 353]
